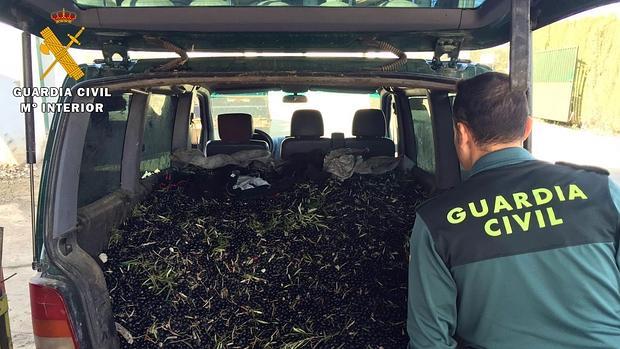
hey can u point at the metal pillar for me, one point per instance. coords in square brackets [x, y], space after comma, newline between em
[31, 156]
[520, 41]
[521, 53]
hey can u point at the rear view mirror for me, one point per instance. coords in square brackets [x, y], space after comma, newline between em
[294, 98]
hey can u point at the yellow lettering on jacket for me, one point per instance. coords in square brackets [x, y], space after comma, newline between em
[542, 196]
[507, 225]
[456, 215]
[575, 192]
[552, 219]
[524, 223]
[484, 208]
[540, 218]
[520, 200]
[508, 213]
[501, 204]
[489, 230]
[558, 190]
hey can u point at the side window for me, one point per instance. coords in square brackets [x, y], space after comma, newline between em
[158, 127]
[393, 126]
[423, 130]
[195, 124]
[100, 170]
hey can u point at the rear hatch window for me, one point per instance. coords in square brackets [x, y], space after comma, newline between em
[272, 115]
[296, 3]
[286, 25]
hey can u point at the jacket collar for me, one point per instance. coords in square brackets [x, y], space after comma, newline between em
[499, 158]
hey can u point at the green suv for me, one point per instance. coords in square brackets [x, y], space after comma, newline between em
[100, 165]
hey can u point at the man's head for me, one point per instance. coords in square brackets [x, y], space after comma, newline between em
[488, 116]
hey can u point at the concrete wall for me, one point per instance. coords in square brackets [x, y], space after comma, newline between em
[598, 90]
[596, 35]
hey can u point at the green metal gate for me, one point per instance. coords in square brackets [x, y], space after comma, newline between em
[553, 80]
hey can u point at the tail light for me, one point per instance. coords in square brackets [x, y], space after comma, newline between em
[50, 322]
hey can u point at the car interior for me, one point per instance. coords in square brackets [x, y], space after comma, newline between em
[236, 133]
[112, 161]
[306, 134]
[388, 122]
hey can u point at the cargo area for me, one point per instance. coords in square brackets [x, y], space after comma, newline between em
[244, 211]
[312, 261]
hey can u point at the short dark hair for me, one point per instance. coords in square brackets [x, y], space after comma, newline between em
[494, 113]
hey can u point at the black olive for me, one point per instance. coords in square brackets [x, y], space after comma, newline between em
[325, 260]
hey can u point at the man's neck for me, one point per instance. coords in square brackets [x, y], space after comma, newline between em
[487, 149]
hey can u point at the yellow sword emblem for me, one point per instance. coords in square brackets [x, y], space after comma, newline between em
[61, 53]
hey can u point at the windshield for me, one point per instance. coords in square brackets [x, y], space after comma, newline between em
[296, 3]
[272, 115]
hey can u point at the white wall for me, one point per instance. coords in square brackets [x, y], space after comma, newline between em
[12, 134]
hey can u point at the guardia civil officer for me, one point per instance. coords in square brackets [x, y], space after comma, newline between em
[523, 253]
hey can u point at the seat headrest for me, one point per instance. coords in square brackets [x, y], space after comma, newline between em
[235, 127]
[369, 123]
[307, 123]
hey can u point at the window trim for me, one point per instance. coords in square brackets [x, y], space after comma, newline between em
[175, 100]
[406, 132]
[180, 127]
[447, 168]
[210, 129]
[132, 149]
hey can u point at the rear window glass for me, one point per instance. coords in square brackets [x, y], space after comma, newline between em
[393, 125]
[272, 115]
[100, 170]
[158, 128]
[284, 3]
[423, 130]
[195, 124]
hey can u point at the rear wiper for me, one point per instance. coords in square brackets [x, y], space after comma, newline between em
[173, 64]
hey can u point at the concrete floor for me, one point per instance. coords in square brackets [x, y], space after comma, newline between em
[556, 143]
[551, 143]
[17, 256]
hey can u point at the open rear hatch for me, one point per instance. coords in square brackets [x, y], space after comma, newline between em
[399, 26]
[286, 25]
[439, 26]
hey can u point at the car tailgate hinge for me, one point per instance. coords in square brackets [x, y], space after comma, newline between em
[112, 48]
[449, 46]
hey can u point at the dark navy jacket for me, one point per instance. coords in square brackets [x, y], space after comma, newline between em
[523, 254]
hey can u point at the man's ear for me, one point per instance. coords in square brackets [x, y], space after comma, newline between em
[462, 133]
[528, 127]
